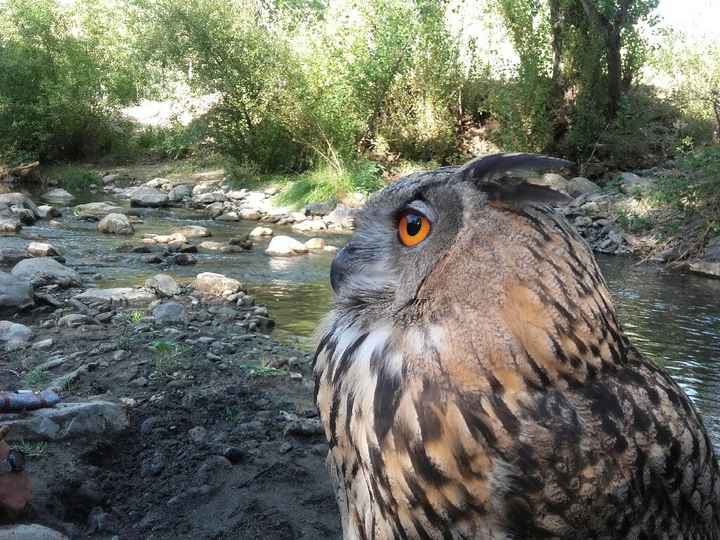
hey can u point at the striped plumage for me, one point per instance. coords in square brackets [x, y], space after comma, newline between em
[479, 385]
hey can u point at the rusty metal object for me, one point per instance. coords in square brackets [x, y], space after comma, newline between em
[11, 402]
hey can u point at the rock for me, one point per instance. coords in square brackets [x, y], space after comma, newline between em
[10, 256]
[271, 191]
[712, 250]
[184, 259]
[630, 182]
[9, 225]
[581, 186]
[46, 271]
[152, 259]
[168, 238]
[40, 249]
[169, 312]
[192, 231]
[343, 217]
[205, 187]
[198, 434]
[153, 466]
[43, 344]
[261, 231]
[315, 244]
[14, 336]
[58, 196]
[233, 454]
[211, 246]
[46, 212]
[320, 209]
[115, 224]
[30, 532]
[180, 193]
[97, 210]
[216, 284]
[209, 198]
[310, 225]
[120, 296]
[15, 293]
[8, 201]
[705, 268]
[330, 249]
[228, 216]
[249, 214]
[215, 209]
[65, 421]
[304, 427]
[148, 197]
[115, 177]
[74, 320]
[162, 285]
[551, 180]
[284, 246]
[243, 243]
[237, 195]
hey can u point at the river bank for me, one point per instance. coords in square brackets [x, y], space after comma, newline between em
[181, 416]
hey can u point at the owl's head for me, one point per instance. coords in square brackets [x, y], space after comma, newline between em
[451, 231]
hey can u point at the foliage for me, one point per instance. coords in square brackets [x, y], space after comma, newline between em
[325, 183]
[30, 449]
[58, 82]
[168, 356]
[36, 378]
[73, 177]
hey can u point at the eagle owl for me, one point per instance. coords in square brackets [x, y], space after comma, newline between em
[474, 382]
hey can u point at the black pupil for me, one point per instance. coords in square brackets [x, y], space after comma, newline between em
[414, 224]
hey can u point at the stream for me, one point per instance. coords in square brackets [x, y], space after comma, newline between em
[673, 318]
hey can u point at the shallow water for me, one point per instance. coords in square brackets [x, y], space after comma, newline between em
[672, 318]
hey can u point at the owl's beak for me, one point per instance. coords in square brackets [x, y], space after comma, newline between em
[340, 267]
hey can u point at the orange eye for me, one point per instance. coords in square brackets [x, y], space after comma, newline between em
[413, 228]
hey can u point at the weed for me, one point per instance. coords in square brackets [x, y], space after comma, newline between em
[29, 449]
[73, 177]
[36, 378]
[232, 415]
[168, 356]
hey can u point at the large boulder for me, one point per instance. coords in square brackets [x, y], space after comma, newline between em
[320, 209]
[551, 180]
[58, 196]
[315, 244]
[162, 285]
[15, 293]
[14, 336]
[147, 196]
[216, 284]
[46, 271]
[284, 246]
[630, 182]
[94, 419]
[17, 200]
[115, 224]
[179, 193]
[120, 296]
[47, 212]
[97, 210]
[581, 186]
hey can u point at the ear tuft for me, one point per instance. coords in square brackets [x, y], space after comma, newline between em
[494, 175]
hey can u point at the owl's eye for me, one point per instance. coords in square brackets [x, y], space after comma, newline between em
[413, 228]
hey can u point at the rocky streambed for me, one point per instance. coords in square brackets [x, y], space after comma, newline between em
[148, 306]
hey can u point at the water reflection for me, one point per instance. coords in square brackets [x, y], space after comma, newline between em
[674, 319]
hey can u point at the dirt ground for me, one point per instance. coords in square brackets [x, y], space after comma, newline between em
[223, 440]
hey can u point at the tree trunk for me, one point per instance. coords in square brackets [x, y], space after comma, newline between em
[614, 61]
[716, 108]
